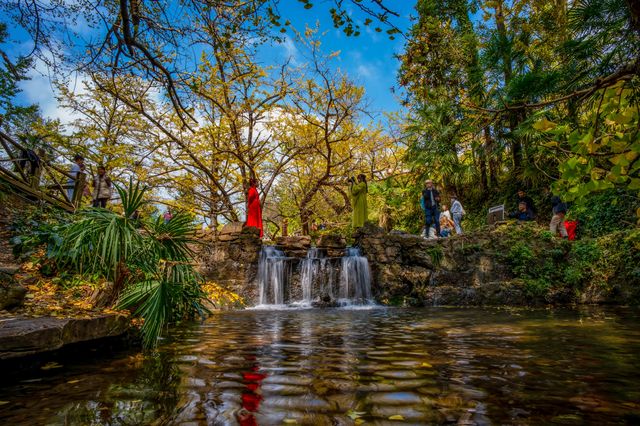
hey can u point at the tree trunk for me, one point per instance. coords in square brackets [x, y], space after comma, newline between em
[109, 296]
[482, 160]
[634, 14]
[507, 70]
[305, 215]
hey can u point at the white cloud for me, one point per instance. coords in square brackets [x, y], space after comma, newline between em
[366, 71]
[290, 49]
[40, 91]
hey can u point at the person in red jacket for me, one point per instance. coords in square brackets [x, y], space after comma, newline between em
[254, 211]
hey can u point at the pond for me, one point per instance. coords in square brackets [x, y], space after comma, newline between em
[367, 366]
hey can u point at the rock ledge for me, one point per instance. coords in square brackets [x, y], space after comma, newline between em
[28, 336]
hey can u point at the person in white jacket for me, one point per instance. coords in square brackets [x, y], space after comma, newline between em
[457, 211]
[101, 188]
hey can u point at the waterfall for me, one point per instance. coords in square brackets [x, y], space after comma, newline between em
[273, 275]
[308, 271]
[355, 279]
[324, 281]
[316, 276]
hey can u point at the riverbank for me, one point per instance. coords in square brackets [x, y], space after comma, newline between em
[42, 310]
[22, 337]
[510, 264]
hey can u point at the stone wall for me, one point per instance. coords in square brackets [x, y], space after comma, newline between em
[472, 269]
[405, 268]
[462, 270]
[230, 258]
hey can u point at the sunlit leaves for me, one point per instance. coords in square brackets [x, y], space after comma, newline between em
[602, 151]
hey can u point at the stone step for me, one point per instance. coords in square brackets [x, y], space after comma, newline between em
[9, 269]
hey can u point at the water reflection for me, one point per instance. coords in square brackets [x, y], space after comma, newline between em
[429, 366]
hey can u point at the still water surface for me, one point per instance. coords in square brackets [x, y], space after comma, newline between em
[344, 367]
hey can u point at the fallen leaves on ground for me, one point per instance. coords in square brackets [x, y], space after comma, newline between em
[51, 296]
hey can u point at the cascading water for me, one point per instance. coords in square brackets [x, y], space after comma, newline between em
[316, 272]
[309, 269]
[273, 274]
[355, 279]
[326, 281]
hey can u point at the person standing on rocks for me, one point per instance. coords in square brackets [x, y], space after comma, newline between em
[76, 168]
[430, 202]
[358, 191]
[557, 221]
[457, 211]
[254, 210]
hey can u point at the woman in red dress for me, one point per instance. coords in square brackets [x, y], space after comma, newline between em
[254, 212]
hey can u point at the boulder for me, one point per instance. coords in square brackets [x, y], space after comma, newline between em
[331, 241]
[12, 294]
[333, 245]
[296, 246]
[295, 242]
[232, 228]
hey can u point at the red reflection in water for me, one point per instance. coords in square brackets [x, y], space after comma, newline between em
[251, 396]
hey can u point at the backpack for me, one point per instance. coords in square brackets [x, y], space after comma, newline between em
[570, 226]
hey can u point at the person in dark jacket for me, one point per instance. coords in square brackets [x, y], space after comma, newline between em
[523, 214]
[524, 198]
[430, 202]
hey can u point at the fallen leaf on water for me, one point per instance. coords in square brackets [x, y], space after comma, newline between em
[355, 414]
[50, 365]
[396, 417]
[427, 365]
[73, 381]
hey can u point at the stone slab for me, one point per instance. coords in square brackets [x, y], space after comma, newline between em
[28, 336]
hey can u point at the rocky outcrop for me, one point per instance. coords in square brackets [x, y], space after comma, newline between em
[29, 336]
[230, 259]
[332, 245]
[12, 294]
[294, 246]
[462, 270]
[508, 264]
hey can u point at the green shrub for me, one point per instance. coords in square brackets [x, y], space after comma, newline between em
[606, 212]
[536, 288]
[521, 260]
[436, 255]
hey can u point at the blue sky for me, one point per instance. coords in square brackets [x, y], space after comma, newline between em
[368, 59]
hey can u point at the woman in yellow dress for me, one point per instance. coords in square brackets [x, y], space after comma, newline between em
[358, 193]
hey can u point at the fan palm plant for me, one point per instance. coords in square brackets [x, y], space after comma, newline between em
[150, 262]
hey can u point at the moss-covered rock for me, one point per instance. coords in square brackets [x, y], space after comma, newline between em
[512, 264]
